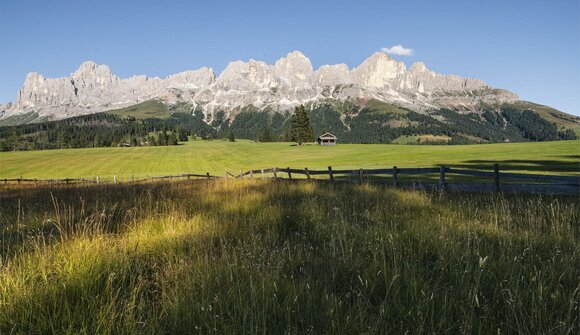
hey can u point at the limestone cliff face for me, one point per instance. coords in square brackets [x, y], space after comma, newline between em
[378, 71]
[290, 81]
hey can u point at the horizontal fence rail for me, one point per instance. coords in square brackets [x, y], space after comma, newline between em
[112, 180]
[481, 181]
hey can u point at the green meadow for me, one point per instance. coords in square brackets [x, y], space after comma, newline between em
[219, 157]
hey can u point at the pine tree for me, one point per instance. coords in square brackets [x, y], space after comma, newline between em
[151, 140]
[163, 138]
[172, 140]
[300, 129]
[13, 140]
[97, 142]
[231, 137]
[266, 135]
[61, 139]
[182, 134]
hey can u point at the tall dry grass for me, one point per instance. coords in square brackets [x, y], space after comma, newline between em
[277, 257]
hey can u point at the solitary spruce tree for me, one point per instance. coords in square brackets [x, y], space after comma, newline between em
[300, 130]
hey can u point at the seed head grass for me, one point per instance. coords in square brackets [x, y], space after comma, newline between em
[277, 257]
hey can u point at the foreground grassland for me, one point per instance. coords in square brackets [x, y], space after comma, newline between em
[219, 156]
[278, 257]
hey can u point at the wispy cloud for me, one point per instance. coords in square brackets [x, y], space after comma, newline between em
[398, 50]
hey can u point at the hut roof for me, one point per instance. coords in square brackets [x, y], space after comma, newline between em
[327, 135]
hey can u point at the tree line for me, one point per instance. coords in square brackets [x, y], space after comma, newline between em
[101, 130]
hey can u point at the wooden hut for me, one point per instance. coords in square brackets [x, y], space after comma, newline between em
[326, 139]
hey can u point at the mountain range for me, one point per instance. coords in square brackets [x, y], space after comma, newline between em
[258, 87]
[289, 82]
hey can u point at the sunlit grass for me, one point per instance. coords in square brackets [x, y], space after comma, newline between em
[277, 257]
[218, 157]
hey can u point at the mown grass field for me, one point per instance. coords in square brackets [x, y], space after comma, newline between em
[241, 256]
[219, 157]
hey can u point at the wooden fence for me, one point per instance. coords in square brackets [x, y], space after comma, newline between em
[481, 181]
[110, 180]
[470, 180]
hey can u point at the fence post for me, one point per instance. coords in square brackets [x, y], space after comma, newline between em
[307, 173]
[330, 174]
[262, 172]
[207, 175]
[115, 179]
[289, 174]
[360, 174]
[241, 174]
[395, 175]
[496, 176]
[442, 177]
[275, 171]
[252, 174]
[97, 179]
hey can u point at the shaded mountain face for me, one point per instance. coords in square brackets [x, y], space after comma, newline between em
[280, 87]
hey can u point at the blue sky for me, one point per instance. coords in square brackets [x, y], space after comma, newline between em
[529, 47]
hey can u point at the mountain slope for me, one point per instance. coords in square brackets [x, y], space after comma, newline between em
[560, 119]
[144, 110]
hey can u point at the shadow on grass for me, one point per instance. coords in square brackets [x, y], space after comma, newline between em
[556, 165]
[30, 213]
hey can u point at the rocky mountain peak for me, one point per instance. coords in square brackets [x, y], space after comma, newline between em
[87, 66]
[297, 54]
[33, 79]
[418, 67]
[378, 71]
[239, 75]
[233, 68]
[332, 75]
[90, 68]
[34, 76]
[294, 70]
[192, 79]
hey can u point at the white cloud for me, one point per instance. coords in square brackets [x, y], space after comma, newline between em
[398, 50]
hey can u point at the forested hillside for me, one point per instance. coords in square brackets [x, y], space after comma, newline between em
[369, 122]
